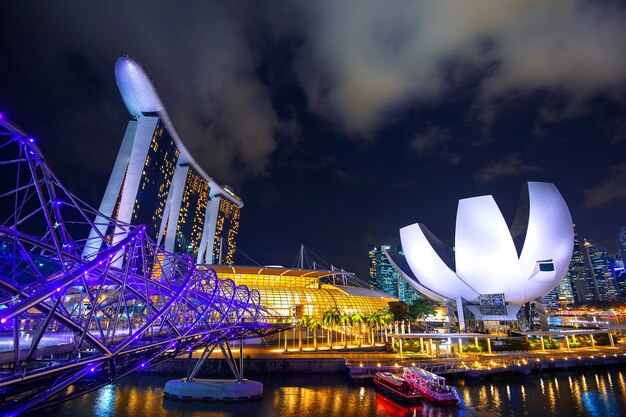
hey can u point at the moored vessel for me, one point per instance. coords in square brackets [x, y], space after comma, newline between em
[396, 387]
[432, 386]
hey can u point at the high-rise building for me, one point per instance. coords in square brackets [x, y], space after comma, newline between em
[385, 278]
[156, 182]
[581, 279]
[223, 216]
[622, 241]
[601, 267]
[562, 293]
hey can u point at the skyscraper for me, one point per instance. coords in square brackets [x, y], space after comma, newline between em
[622, 240]
[385, 278]
[561, 293]
[156, 182]
[580, 277]
[601, 267]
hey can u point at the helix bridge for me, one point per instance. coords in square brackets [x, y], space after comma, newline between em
[71, 323]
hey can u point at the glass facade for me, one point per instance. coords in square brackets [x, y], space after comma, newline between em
[622, 241]
[191, 217]
[580, 277]
[299, 295]
[385, 278]
[601, 267]
[156, 179]
[226, 230]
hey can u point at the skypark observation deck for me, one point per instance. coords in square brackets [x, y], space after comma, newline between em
[156, 182]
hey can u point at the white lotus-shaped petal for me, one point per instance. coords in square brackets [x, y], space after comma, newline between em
[524, 263]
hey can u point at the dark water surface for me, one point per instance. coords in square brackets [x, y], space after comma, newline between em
[598, 392]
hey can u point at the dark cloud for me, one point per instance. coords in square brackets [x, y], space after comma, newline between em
[362, 61]
[433, 138]
[444, 98]
[507, 166]
[200, 59]
[608, 190]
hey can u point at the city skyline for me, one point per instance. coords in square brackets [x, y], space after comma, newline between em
[312, 132]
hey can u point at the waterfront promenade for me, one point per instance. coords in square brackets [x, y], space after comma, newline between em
[365, 361]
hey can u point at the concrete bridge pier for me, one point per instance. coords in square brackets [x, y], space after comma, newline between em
[238, 389]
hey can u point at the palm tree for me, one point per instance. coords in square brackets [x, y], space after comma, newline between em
[345, 320]
[302, 322]
[372, 320]
[357, 320]
[330, 318]
[314, 324]
[386, 318]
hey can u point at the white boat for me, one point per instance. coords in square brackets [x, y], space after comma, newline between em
[432, 386]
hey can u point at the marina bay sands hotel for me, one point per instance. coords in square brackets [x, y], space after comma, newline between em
[157, 183]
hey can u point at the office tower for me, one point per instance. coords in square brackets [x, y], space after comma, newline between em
[562, 293]
[156, 182]
[581, 279]
[622, 241]
[371, 253]
[601, 268]
[385, 278]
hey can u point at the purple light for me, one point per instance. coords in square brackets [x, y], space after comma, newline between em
[58, 289]
[92, 369]
[31, 140]
[3, 320]
[1, 116]
[143, 365]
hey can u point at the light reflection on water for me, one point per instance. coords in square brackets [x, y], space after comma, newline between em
[585, 393]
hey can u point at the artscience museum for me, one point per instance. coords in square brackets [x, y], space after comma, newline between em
[492, 269]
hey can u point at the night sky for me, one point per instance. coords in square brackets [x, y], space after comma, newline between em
[340, 122]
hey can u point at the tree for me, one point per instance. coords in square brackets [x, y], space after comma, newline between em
[357, 320]
[420, 309]
[303, 322]
[372, 320]
[345, 320]
[400, 310]
[330, 318]
[314, 324]
[386, 318]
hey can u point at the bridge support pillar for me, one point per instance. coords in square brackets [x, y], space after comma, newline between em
[236, 389]
[611, 341]
[489, 345]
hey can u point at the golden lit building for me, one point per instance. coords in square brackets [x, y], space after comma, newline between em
[303, 292]
[155, 182]
[223, 219]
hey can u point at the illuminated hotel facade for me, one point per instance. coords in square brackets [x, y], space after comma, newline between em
[156, 182]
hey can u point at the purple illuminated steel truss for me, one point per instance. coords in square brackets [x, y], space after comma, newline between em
[71, 324]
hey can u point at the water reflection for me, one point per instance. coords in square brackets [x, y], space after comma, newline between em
[105, 401]
[334, 395]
